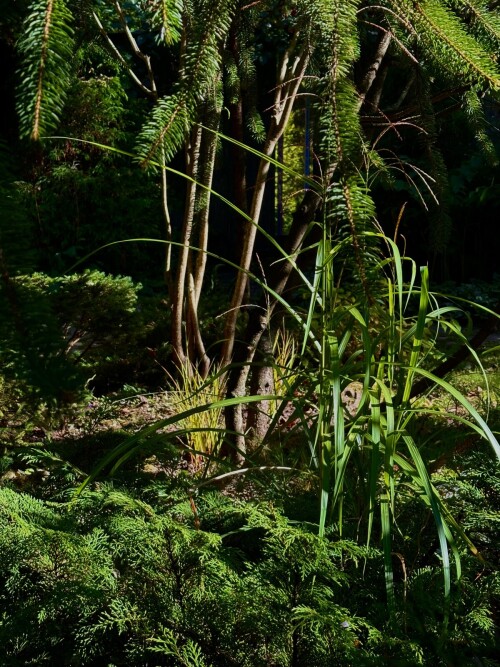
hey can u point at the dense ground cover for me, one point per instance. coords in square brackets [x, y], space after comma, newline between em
[173, 560]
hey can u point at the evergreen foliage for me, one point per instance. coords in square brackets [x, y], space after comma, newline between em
[17, 254]
[164, 133]
[46, 48]
[140, 577]
[125, 578]
[52, 325]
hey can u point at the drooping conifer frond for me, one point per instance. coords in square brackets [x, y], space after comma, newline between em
[206, 27]
[447, 40]
[167, 15]
[241, 78]
[474, 110]
[46, 49]
[350, 212]
[483, 23]
[340, 128]
[349, 208]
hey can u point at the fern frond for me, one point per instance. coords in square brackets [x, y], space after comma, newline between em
[46, 49]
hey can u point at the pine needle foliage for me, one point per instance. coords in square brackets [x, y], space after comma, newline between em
[46, 49]
[447, 40]
[206, 24]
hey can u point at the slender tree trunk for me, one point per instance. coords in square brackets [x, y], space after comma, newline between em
[193, 154]
[258, 319]
[291, 73]
[209, 149]
[261, 384]
[238, 155]
[373, 69]
[198, 258]
[258, 324]
[167, 270]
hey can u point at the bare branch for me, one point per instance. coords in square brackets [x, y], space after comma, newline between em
[373, 68]
[135, 48]
[121, 59]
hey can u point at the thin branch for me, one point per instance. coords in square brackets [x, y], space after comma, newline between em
[404, 93]
[135, 48]
[400, 18]
[121, 59]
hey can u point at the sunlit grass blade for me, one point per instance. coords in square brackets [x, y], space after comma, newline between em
[484, 429]
[134, 443]
[385, 519]
[390, 438]
[438, 519]
[418, 335]
[314, 299]
[338, 422]
[373, 474]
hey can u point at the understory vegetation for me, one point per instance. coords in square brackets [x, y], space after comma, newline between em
[168, 554]
[249, 350]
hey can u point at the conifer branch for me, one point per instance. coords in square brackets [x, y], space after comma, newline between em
[450, 32]
[46, 49]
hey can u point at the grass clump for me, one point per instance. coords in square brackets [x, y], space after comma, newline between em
[200, 431]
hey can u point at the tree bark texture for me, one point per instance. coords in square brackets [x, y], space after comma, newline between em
[292, 71]
[258, 324]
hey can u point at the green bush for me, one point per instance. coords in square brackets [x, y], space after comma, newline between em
[60, 331]
[97, 313]
[114, 580]
[122, 579]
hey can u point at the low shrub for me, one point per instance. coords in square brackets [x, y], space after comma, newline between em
[119, 578]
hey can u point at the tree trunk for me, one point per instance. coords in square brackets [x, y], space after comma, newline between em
[261, 384]
[258, 324]
[193, 154]
[198, 258]
[292, 71]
